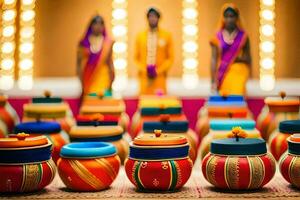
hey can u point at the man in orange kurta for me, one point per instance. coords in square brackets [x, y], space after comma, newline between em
[153, 55]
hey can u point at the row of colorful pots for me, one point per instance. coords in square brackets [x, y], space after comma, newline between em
[156, 162]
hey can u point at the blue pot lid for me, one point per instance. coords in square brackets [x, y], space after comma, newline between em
[40, 127]
[86, 150]
[46, 100]
[228, 124]
[166, 127]
[289, 126]
[158, 111]
[244, 146]
[232, 98]
[294, 144]
[226, 103]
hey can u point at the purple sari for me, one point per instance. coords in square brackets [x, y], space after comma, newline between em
[229, 53]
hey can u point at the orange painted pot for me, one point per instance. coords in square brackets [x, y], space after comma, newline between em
[290, 161]
[238, 164]
[277, 110]
[151, 107]
[111, 134]
[278, 140]
[106, 106]
[159, 162]
[88, 166]
[25, 163]
[49, 109]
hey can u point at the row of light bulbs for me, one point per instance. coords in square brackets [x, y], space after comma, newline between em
[119, 31]
[25, 45]
[267, 44]
[190, 44]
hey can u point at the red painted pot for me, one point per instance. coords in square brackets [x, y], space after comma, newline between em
[238, 164]
[290, 161]
[159, 162]
[26, 163]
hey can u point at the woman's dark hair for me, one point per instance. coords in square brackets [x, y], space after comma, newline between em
[229, 9]
[154, 11]
[96, 19]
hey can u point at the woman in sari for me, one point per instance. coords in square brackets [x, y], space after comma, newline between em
[231, 59]
[94, 59]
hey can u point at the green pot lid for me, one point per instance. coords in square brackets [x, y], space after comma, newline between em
[242, 146]
[289, 126]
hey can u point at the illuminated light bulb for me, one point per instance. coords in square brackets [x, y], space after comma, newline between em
[27, 32]
[119, 30]
[27, 2]
[190, 1]
[267, 82]
[26, 47]
[8, 31]
[190, 13]
[26, 64]
[119, 1]
[7, 47]
[8, 2]
[25, 82]
[268, 2]
[8, 15]
[267, 30]
[267, 46]
[190, 29]
[27, 15]
[119, 13]
[119, 47]
[190, 63]
[267, 63]
[120, 64]
[190, 46]
[6, 82]
[190, 81]
[7, 64]
[268, 14]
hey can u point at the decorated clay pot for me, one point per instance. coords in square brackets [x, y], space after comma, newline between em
[25, 163]
[220, 128]
[52, 130]
[277, 109]
[49, 109]
[94, 133]
[278, 140]
[8, 117]
[221, 107]
[151, 107]
[159, 162]
[88, 166]
[174, 125]
[106, 106]
[238, 163]
[290, 161]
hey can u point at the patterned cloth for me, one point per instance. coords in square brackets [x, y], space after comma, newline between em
[196, 187]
